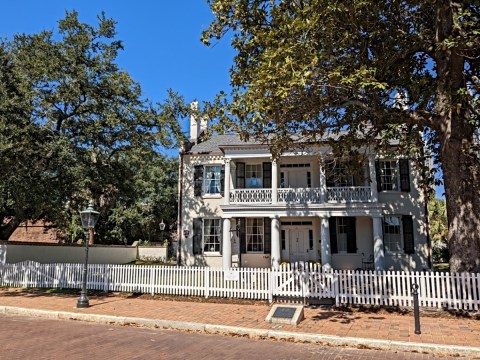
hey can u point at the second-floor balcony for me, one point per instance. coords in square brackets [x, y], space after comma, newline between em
[349, 194]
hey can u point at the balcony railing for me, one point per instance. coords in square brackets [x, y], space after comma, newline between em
[302, 195]
[251, 196]
[349, 194]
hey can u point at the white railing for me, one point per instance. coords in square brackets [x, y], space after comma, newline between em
[302, 195]
[251, 196]
[349, 194]
[459, 291]
[299, 195]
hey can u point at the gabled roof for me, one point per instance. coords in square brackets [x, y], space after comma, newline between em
[215, 144]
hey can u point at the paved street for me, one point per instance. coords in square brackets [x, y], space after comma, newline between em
[36, 338]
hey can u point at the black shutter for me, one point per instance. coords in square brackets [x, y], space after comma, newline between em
[408, 240]
[197, 236]
[378, 175]
[351, 235]
[242, 235]
[333, 234]
[267, 232]
[198, 180]
[222, 181]
[240, 175]
[404, 175]
[267, 175]
[330, 173]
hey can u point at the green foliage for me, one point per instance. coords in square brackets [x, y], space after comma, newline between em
[74, 126]
[438, 228]
[367, 72]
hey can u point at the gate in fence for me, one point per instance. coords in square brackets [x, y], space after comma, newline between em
[302, 280]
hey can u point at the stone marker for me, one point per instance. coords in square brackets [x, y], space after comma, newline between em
[285, 314]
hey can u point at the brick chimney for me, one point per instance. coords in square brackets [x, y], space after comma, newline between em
[197, 128]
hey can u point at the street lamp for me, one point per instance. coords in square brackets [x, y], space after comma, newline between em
[162, 227]
[89, 219]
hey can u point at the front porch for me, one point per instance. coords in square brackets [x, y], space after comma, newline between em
[336, 242]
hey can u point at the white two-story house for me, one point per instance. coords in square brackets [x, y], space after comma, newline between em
[242, 208]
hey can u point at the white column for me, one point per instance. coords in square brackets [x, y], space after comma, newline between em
[326, 252]
[373, 178]
[274, 182]
[227, 182]
[276, 251]
[227, 245]
[323, 182]
[378, 255]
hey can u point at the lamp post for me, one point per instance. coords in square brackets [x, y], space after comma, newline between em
[89, 219]
[162, 228]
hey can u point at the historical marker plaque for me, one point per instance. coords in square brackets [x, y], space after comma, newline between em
[285, 314]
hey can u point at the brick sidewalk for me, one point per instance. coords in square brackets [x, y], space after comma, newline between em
[382, 325]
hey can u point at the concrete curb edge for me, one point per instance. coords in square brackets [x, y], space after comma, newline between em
[252, 333]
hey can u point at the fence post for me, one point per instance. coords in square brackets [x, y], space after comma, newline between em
[152, 280]
[207, 281]
[25, 274]
[336, 288]
[105, 278]
[271, 283]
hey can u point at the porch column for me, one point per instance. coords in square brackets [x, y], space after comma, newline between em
[378, 255]
[373, 178]
[323, 183]
[274, 182]
[276, 252]
[226, 245]
[226, 194]
[326, 253]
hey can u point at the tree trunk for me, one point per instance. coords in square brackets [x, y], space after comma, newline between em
[460, 165]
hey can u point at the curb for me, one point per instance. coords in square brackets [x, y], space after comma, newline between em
[330, 340]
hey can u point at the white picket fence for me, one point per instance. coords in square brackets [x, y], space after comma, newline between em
[300, 280]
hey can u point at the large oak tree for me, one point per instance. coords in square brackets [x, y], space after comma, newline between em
[75, 126]
[372, 69]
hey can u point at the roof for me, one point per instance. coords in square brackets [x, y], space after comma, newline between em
[216, 142]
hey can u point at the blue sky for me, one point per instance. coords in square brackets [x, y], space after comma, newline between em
[161, 40]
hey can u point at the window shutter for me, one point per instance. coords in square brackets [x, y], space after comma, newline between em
[378, 175]
[242, 235]
[222, 181]
[330, 174]
[408, 240]
[404, 175]
[198, 180]
[197, 236]
[267, 233]
[351, 235]
[240, 175]
[333, 234]
[267, 175]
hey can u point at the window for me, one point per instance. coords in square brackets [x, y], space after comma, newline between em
[208, 179]
[211, 235]
[253, 174]
[255, 235]
[212, 179]
[339, 174]
[396, 228]
[343, 236]
[393, 175]
[388, 175]
[392, 237]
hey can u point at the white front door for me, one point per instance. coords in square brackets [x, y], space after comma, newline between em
[297, 179]
[298, 239]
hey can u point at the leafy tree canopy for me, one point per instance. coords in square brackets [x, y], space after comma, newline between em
[368, 71]
[74, 126]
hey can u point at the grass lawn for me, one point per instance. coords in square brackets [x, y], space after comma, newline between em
[441, 267]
